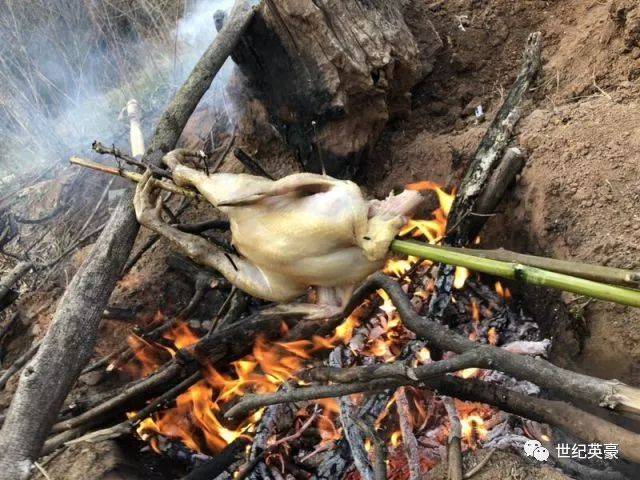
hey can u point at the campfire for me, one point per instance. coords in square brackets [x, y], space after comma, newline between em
[413, 425]
[304, 328]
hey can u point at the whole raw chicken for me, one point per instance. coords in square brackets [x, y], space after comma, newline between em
[300, 231]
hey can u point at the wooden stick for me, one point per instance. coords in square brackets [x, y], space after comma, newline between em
[604, 393]
[379, 448]
[488, 154]
[408, 438]
[104, 150]
[478, 466]
[249, 162]
[133, 176]
[463, 223]
[352, 434]
[516, 271]
[454, 442]
[18, 364]
[502, 177]
[15, 274]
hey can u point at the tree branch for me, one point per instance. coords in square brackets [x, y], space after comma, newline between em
[70, 340]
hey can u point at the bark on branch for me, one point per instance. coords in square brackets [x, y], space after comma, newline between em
[611, 394]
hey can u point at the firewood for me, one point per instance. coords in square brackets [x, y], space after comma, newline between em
[220, 463]
[275, 418]
[408, 438]
[603, 393]
[454, 442]
[463, 222]
[18, 364]
[25, 266]
[463, 225]
[611, 394]
[354, 435]
[379, 448]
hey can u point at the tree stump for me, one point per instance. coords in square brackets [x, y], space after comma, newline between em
[330, 73]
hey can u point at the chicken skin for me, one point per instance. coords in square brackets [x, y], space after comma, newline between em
[304, 230]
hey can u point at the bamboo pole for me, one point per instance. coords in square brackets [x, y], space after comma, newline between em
[597, 273]
[518, 271]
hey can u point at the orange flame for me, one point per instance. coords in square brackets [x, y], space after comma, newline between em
[196, 419]
[503, 292]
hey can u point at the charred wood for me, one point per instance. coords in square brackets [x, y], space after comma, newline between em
[465, 220]
[330, 75]
[219, 464]
[352, 433]
[454, 442]
[463, 224]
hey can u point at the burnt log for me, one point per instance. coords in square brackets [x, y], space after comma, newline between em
[331, 74]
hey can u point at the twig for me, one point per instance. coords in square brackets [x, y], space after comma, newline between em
[48, 216]
[454, 445]
[218, 316]
[476, 468]
[246, 469]
[133, 176]
[95, 210]
[73, 435]
[408, 438]
[351, 433]
[379, 448]
[250, 164]
[225, 152]
[18, 364]
[161, 377]
[102, 149]
[42, 471]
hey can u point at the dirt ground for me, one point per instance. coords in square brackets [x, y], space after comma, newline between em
[577, 197]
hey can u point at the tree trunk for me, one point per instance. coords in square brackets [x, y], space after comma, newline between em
[330, 74]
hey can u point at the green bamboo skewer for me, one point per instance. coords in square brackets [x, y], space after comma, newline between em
[518, 271]
[597, 273]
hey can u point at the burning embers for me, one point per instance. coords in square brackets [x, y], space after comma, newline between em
[409, 420]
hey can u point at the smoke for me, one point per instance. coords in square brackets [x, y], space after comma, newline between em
[67, 68]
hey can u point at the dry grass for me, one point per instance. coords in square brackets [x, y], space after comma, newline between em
[57, 54]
